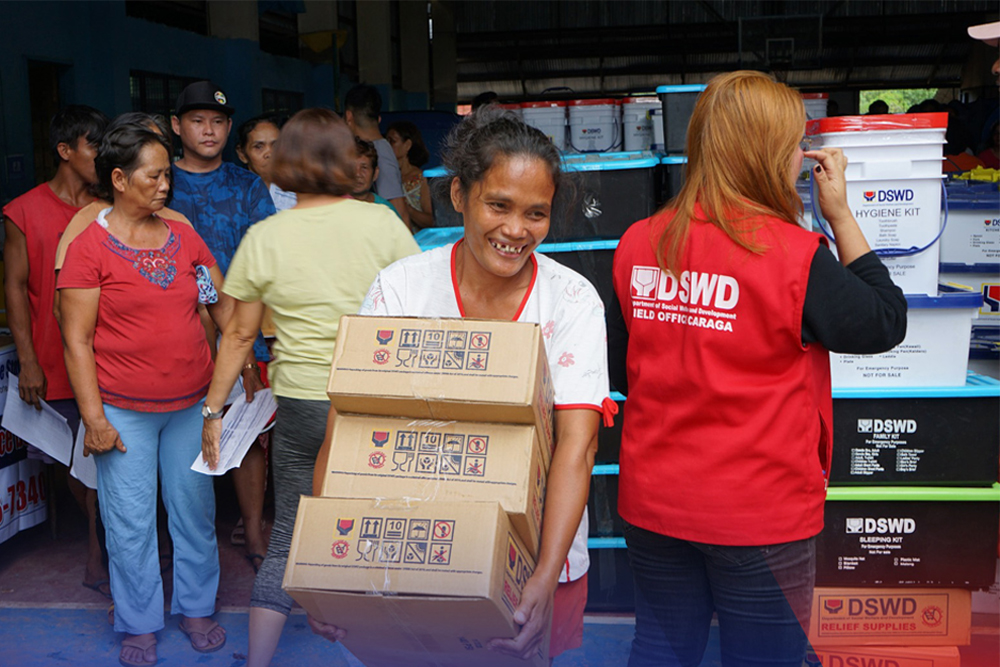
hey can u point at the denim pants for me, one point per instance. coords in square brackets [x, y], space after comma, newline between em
[166, 443]
[762, 595]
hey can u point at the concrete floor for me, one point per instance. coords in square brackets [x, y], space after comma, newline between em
[48, 619]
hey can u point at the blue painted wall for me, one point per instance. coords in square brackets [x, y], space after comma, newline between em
[99, 46]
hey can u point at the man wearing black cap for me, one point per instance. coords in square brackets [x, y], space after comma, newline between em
[222, 201]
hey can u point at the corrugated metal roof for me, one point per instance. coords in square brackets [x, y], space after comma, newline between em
[592, 46]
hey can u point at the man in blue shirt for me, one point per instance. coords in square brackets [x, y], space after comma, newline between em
[222, 201]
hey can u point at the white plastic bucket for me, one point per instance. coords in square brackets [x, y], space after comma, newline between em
[934, 353]
[513, 107]
[637, 124]
[549, 117]
[594, 126]
[893, 186]
[815, 104]
[656, 118]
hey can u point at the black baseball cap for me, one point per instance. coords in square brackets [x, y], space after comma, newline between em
[203, 95]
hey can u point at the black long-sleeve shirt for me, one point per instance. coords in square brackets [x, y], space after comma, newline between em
[855, 309]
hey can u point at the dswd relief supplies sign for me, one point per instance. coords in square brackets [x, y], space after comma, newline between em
[906, 536]
[413, 583]
[884, 656]
[890, 616]
[694, 299]
[447, 369]
[379, 457]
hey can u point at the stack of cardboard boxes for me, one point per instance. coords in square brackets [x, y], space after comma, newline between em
[431, 492]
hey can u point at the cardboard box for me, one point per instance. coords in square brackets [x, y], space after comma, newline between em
[413, 583]
[377, 457]
[460, 370]
[890, 617]
[884, 656]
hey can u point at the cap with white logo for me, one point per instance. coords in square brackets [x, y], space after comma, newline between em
[202, 95]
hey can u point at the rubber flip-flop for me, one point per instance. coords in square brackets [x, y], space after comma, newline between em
[211, 648]
[102, 586]
[238, 537]
[134, 642]
[253, 558]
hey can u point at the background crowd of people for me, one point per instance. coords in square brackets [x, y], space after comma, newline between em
[161, 314]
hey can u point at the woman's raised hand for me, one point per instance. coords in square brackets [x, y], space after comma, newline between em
[831, 186]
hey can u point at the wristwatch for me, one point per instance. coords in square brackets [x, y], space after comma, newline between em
[207, 413]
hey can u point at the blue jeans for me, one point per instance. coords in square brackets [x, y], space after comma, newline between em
[762, 595]
[166, 443]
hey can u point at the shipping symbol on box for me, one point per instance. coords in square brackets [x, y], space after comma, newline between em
[436, 453]
[450, 464]
[398, 540]
[436, 349]
[420, 529]
[415, 553]
[371, 528]
[453, 360]
[440, 554]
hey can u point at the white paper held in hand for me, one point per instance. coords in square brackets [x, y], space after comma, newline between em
[46, 429]
[240, 427]
[84, 467]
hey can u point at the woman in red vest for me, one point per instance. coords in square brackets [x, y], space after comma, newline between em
[726, 311]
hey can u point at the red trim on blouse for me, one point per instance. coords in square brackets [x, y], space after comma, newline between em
[608, 409]
[454, 278]
[458, 294]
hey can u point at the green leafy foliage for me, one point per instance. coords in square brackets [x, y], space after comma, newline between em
[898, 100]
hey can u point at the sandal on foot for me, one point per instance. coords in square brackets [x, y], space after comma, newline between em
[253, 558]
[238, 537]
[138, 643]
[210, 648]
[102, 586]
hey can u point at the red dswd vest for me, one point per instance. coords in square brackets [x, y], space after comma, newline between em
[727, 434]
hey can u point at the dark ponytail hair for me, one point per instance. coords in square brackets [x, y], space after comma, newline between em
[487, 134]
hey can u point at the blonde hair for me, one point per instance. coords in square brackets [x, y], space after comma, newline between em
[740, 143]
